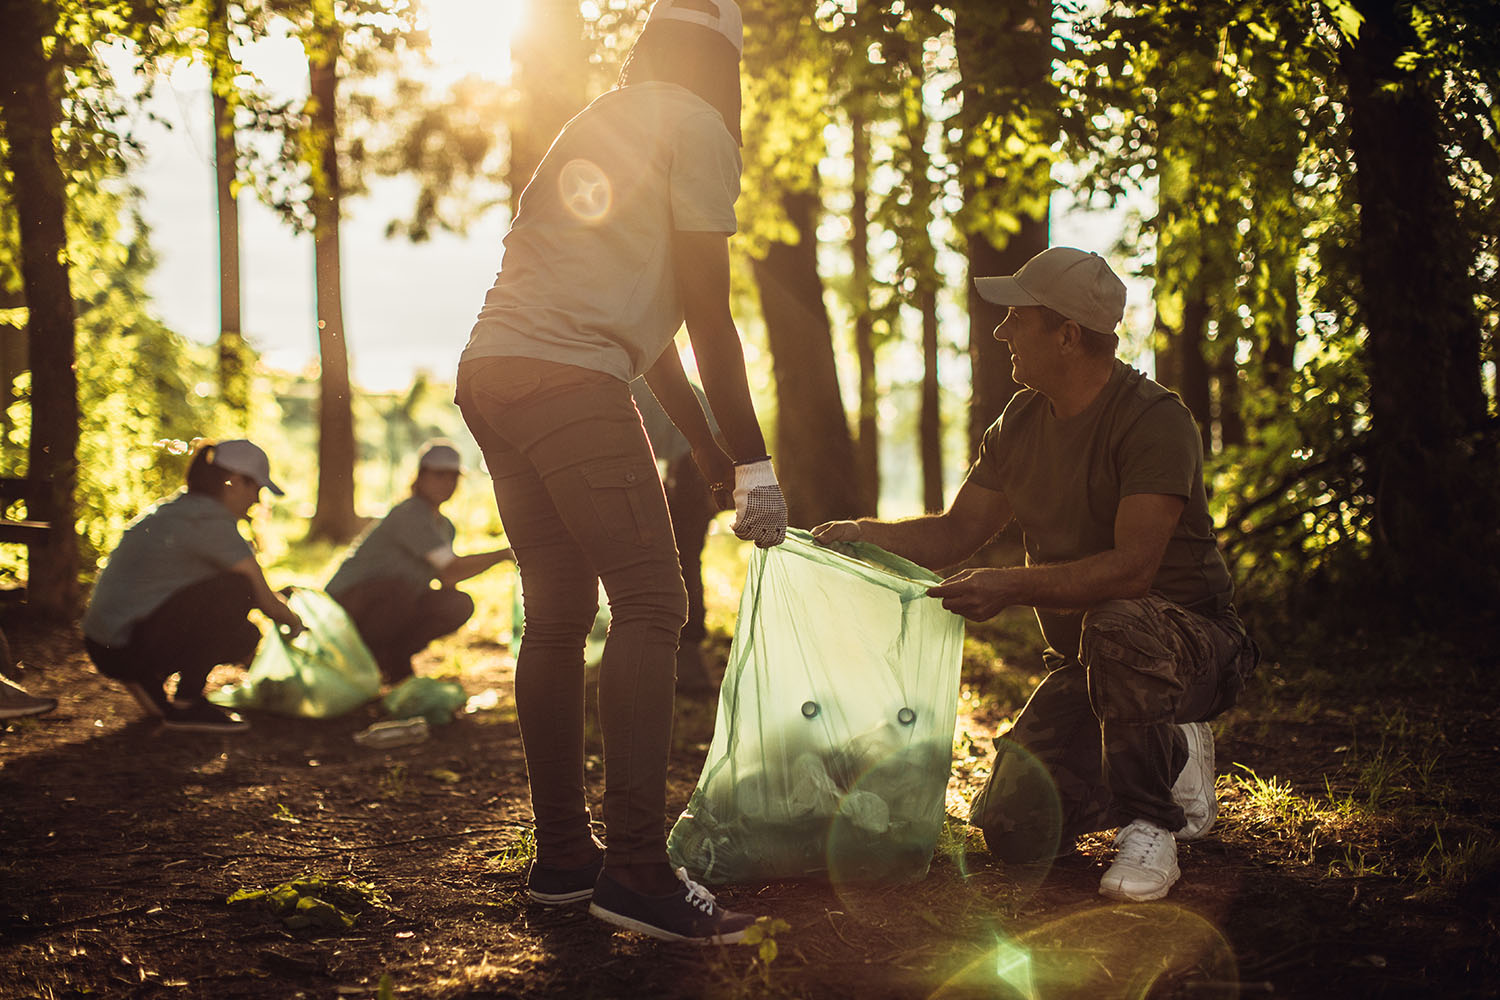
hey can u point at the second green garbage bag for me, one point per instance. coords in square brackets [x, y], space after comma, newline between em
[834, 736]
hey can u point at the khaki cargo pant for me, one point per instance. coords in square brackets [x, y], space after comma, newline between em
[1096, 746]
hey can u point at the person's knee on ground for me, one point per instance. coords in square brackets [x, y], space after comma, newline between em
[1019, 811]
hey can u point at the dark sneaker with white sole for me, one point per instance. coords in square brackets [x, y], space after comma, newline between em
[691, 915]
[17, 703]
[150, 696]
[202, 717]
[560, 886]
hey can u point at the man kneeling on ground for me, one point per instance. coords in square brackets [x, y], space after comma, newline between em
[1103, 470]
[385, 583]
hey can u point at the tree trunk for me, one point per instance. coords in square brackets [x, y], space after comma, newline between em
[1226, 379]
[814, 452]
[234, 374]
[29, 106]
[1436, 501]
[335, 518]
[1004, 54]
[931, 421]
[1195, 387]
[991, 385]
[549, 70]
[868, 445]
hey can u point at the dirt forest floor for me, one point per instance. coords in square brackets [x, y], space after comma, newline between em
[120, 844]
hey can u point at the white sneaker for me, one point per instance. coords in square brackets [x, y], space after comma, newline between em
[1146, 866]
[1194, 788]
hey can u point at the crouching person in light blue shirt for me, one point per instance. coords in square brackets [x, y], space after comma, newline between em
[385, 583]
[177, 592]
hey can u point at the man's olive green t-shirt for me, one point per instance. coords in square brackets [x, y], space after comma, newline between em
[1065, 478]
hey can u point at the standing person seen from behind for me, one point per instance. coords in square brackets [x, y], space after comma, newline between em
[176, 594]
[1103, 470]
[621, 235]
[385, 583]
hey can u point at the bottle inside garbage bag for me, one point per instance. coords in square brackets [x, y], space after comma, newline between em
[394, 733]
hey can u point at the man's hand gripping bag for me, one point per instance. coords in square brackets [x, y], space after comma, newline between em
[834, 737]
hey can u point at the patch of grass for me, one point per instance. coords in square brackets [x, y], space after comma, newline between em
[393, 782]
[518, 853]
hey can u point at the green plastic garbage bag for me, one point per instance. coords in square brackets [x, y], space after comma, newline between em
[432, 699]
[326, 671]
[834, 736]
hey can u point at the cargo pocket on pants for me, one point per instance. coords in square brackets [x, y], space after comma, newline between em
[621, 495]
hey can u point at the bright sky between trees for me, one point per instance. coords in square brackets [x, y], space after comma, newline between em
[407, 307]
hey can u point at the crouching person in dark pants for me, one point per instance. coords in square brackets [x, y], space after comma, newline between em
[386, 581]
[1103, 470]
[177, 592]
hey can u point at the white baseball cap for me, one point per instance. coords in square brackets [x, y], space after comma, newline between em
[246, 459]
[440, 456]
[1073, 282]
[722, 16]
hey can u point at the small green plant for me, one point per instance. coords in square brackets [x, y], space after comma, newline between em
[313, 901]
[518, 853]
[762, 936]
[393, 782]
[284, 815]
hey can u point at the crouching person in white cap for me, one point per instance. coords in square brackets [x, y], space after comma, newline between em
[176, 594]
[385, 583]
[1103, 470]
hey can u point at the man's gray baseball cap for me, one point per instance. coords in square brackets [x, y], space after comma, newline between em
[1073, 282]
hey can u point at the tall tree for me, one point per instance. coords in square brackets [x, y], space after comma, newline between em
[31, 89]
[233, 352]
[867, 438]
[1006, 126]
[335, 517]
[322, 161]
[1417, 300]
[815, 454]
[550, 75]
[786, 79]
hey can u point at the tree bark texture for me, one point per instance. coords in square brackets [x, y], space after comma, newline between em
[930, 420]
[335, 518]
[814, 451]
[30, 102]
[1436, 497]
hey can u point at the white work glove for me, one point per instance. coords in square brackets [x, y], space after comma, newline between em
[759, 507]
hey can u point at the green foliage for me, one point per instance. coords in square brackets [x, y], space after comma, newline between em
[318, 902]
[761, 936]
[144, 393]
[1232, 122]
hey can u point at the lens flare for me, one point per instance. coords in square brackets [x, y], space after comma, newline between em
[585, 190]
[1119, 951]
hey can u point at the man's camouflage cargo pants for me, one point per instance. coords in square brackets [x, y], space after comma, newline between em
[1097, 744]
